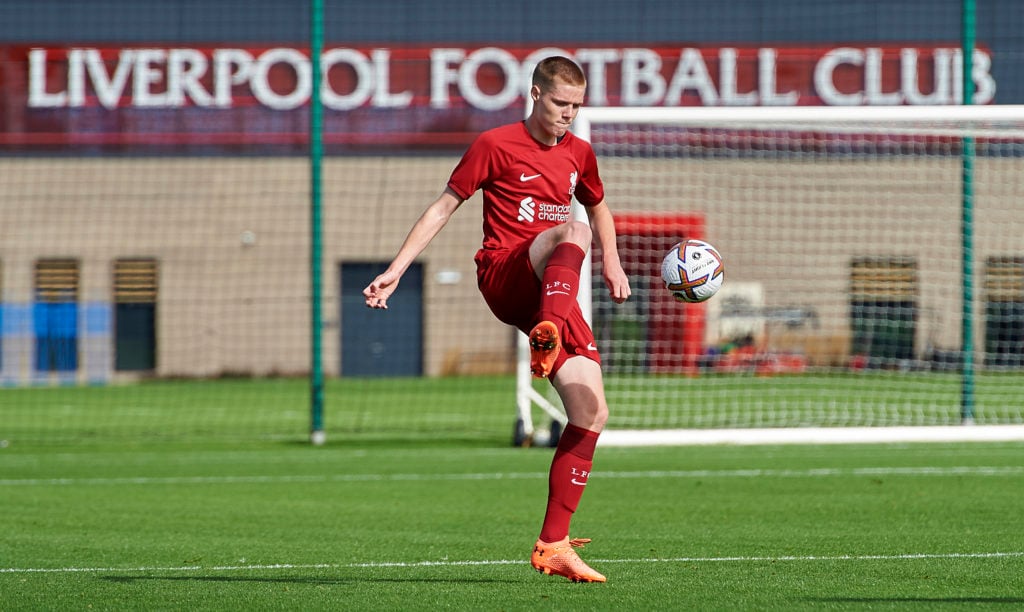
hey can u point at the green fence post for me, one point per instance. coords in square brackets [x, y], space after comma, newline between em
[316, 376]
[967, 221]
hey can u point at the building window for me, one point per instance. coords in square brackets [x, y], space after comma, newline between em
[1004, 311]
[55, 315]
[883, 309]
[135, 300]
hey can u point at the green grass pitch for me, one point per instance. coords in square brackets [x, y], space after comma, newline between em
[428, 525]
[481, 410]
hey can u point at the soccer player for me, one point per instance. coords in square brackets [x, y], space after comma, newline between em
[528, 271]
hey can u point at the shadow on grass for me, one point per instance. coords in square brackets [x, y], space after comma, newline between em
[297, 579]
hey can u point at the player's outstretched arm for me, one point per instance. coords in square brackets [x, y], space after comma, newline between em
[603, 226]
[433, 219]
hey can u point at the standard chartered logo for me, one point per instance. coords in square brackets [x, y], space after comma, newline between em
[530, 211]
[526, 210]
[558, 213]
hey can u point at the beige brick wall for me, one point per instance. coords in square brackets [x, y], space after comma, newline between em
[228, 306]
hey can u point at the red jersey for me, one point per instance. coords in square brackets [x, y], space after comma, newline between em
[528, 186]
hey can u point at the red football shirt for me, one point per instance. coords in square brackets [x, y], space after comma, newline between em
[527, 186]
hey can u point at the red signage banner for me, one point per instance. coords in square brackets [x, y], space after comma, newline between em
[424, 96]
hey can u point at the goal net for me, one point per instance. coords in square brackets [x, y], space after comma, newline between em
[845, 234]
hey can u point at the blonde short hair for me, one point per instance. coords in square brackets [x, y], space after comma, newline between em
[558, 68]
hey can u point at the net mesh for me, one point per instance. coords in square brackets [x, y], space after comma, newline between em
[843, 246]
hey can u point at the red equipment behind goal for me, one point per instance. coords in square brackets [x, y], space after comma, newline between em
[674, 330]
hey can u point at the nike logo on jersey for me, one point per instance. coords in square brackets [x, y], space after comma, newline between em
[524, 178]
[558, 293]
[591, 347]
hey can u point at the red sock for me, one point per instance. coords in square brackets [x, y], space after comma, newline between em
[560, 283]
[570, 469]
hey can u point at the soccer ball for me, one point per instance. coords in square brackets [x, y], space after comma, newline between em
[693, 271]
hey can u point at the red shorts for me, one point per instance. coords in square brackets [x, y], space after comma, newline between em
[512, 291]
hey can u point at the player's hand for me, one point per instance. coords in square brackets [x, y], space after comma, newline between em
[378, 292]
[617, 282]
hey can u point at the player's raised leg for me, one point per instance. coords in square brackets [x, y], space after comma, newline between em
[557, 256]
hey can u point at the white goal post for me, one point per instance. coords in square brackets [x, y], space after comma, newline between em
[843, 231]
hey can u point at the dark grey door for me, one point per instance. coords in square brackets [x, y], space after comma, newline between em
[381, 342]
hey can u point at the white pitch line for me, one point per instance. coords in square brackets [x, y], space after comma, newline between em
[742, 473]
[257, 479]
[496, 562]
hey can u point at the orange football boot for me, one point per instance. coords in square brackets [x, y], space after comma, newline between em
[544, 348]
[559, 559]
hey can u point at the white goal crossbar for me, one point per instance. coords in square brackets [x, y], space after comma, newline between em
[760, 115]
